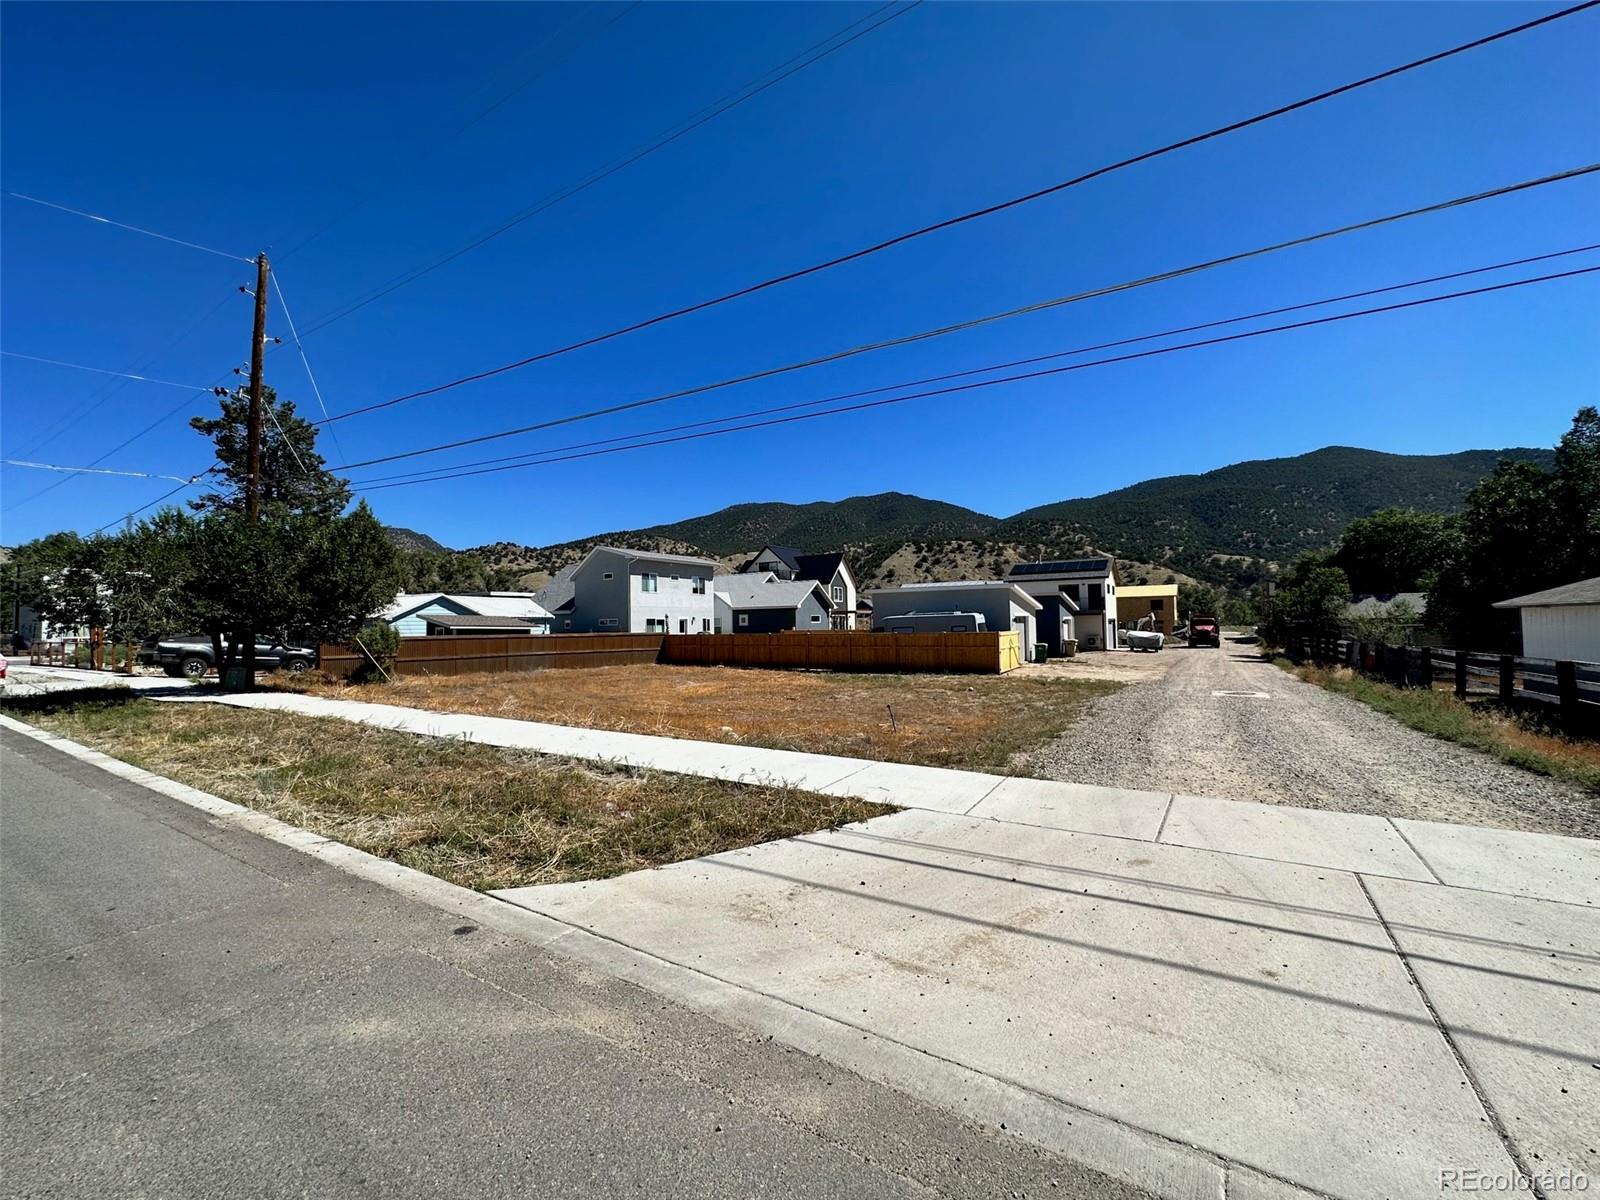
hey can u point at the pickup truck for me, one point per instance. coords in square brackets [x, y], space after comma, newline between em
[192, 655]
[1204, 631]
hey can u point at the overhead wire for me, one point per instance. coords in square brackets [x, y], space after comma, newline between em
[988, 210]
[39, 466]
[56, 362]
[78, 212]
[792, 66]
[544, 64]
[98, 399]
[294, 333]
[1000, 366]
[972, 323]
[987, 383]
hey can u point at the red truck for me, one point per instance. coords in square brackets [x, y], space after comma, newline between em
[1204, 631]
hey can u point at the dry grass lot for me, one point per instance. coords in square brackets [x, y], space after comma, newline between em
[476, 815]
[975, 722]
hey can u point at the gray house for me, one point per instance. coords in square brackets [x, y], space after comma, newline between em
[829, 570]
[1003, 606]
[751, 602]
[637, 591]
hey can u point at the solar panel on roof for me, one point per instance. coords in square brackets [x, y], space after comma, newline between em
[1071, 566]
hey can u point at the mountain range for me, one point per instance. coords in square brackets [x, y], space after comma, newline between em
[1228, 526]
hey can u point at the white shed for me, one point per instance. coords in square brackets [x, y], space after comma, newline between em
[1561, 622]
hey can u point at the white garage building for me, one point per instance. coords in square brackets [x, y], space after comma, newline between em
[918, 608]
[1561, 622]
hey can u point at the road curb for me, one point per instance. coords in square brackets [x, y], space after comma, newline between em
[1124, 1152]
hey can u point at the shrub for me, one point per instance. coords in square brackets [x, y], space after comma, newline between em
[379, 644]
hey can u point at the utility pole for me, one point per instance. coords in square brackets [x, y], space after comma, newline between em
[258, 345]
[252, 495]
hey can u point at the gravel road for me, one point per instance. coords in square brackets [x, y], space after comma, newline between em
[1299, 745]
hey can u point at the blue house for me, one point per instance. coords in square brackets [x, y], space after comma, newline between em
[409, 613]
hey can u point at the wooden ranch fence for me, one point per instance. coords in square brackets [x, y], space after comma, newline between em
[1571, 687]
[460, 654]
[984, 653]
[467, 653]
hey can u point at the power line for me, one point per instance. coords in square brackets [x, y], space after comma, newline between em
[122, 445]
[967, 387]
[1001, 366]
[579, 13]
[306, 362]
[784, 70]
[161, 499]
[99, 398]
[973, 323]
[975, 214]
[39, 466]
[56, 362]
[78, 212]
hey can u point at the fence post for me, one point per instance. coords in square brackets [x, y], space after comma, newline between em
[1461, 674]
[1508, 679]
[1567, 689]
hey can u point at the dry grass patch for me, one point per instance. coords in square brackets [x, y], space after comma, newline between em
[1519, 740]
[477, 815]
[975, 722]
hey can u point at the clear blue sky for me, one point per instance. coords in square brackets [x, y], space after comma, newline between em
[154, 116]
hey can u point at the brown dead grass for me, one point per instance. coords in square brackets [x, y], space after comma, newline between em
[1512, 738]
[975, 722]
[476, 815]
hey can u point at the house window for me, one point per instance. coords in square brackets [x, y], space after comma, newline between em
[1096, 595]
[699, 585]
[566, 624]
[838, 593]
[705, 624]
[744, 618]
[674, 579]
[655, 625]
[607, 622]
[816, 619]
[608, 575]
[1158, 603]
[683, 625]
[958, 629]
[648, 583]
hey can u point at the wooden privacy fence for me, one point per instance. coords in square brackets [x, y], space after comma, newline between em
[986, 653]
[468, 653]
[1571, 687]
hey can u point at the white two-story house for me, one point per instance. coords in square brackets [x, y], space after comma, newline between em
[829, 570]
[1091, 585]
[639, 591]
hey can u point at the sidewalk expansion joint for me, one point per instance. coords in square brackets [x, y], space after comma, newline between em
[1411, 846]
[1528, 1180]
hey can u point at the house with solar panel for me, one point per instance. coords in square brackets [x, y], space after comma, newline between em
[1085, 588]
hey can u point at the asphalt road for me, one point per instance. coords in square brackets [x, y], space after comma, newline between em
[191, 1010]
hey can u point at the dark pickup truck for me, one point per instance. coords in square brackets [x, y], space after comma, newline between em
[193, 655]
[1204, 631]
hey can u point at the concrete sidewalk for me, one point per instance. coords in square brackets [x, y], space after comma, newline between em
[1203, 997]
[1525, 864]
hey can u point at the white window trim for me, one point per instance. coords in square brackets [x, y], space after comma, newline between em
[744, 618]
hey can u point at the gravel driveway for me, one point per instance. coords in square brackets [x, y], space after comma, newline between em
[1300, 745]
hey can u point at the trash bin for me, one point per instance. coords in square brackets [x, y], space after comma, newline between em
[1069, 648]
[1041, 651]
[235, 679]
